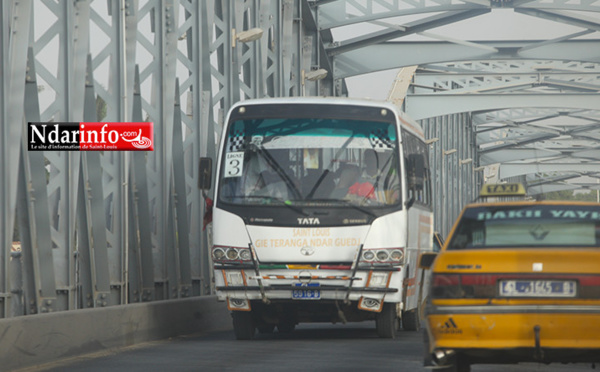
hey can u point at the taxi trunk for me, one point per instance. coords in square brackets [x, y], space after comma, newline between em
[516, 305]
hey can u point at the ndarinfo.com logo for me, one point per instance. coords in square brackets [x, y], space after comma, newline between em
[89, 136]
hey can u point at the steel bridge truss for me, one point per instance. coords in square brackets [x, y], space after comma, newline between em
[100, 229]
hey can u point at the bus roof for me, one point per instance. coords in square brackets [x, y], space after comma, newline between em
[408, 122]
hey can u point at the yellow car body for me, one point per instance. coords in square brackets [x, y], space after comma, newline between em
[517, 282]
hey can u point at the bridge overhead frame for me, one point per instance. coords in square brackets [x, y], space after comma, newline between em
[103, 229]
[492, 74]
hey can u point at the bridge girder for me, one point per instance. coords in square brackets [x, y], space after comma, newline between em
[426, 105]
[377, 57]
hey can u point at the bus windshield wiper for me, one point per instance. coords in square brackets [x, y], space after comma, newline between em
[288, 204]
[347, 203]
[270, 199]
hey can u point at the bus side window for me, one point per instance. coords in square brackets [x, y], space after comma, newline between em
[416, 179]
[416, 162]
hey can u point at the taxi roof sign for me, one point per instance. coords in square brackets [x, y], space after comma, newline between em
[502, 189]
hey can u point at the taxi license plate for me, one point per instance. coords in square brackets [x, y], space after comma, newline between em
[538, 288]
[306, 291]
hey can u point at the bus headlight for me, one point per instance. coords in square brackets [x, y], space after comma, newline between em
[232, 254]
[245, 254]
[382, 255]
[223, 254]
[397, 255]
[218, 254]
[368, 255]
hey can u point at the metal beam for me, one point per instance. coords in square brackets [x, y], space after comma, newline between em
[385, 56]
[431, 105]
[408, 29]
[519, 169]
[515, 154]
[14, 27]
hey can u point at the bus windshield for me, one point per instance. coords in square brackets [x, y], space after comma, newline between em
[310, 161]
[524, 226]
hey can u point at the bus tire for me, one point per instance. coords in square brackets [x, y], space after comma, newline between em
[387, 321]
[243, 325]
[410, 320]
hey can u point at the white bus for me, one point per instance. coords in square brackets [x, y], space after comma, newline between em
[321, 209]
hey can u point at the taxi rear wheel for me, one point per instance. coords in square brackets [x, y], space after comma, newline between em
[387, 321]
[459, 364]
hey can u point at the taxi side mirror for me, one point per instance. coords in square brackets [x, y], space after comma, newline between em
[426, 260]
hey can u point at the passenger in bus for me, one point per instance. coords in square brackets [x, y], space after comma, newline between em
[348, 175]
[373, 185]
[365, 189]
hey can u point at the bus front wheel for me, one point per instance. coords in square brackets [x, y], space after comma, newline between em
[410, 320]
[387, 321]
[243, 325]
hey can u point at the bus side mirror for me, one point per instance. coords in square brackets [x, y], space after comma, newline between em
[426, 260]
[409, 203]
[204, 173]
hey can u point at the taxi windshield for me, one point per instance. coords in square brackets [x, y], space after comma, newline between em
[524, 226]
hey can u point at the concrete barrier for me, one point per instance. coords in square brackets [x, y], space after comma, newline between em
[37, 339]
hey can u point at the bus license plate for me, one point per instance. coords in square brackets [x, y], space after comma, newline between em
[538, 288]
[306, 291]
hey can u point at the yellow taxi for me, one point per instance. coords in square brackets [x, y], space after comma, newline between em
[515, 282]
